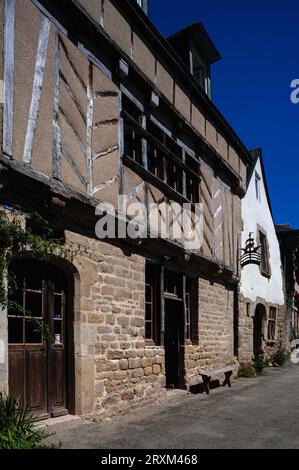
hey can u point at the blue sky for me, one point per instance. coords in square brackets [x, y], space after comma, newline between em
[259, 44]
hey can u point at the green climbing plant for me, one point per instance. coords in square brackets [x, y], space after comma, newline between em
[290, 301]
[18, 240]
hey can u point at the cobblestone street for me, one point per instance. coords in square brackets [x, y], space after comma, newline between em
[254, 413]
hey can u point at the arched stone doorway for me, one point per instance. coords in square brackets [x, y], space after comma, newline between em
[258, 330]
[40, 337]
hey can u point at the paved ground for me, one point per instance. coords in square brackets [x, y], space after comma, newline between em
[254, 413]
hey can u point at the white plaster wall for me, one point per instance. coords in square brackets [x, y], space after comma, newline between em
[254, 213]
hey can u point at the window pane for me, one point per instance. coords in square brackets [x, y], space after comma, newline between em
[33, 333]
[148, 330]
[34, 278]
[57, 306]
[148, 293]
[57, 326]
[148, 312]
[33, 304]
[16, 303]
[15, 330]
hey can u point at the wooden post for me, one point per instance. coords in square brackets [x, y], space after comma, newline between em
[8, 72]
[89, 126]
[184, 308]
[162, 304]
[145, 164]
[56, 128]
[120, 145]
[37, 88]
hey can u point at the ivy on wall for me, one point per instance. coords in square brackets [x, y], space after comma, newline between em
[18, 240]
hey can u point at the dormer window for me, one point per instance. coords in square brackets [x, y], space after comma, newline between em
[198, 53]
[200, 72]
[143, 5]
[257, 186]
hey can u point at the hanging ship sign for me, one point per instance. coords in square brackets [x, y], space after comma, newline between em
[251, 254]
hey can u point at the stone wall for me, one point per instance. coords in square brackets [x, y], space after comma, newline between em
[114, 366]
[246, 328]
[214, 348]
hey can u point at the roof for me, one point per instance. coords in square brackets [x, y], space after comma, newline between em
[286, 230]
[142, 22]
[201, 39]
[257, 154]
[75, 18]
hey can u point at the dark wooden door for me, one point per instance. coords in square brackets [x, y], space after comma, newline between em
[259, 316]
[173, 340]
[36, 336]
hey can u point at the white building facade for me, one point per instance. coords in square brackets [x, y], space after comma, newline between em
[262, 321]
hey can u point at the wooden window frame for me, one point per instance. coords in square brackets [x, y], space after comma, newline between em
[191, 310]
[152, 282]
[168, 157]
[272, 320]
[265, 267]
[26, 317]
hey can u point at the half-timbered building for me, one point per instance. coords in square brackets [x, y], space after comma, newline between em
[96, 105]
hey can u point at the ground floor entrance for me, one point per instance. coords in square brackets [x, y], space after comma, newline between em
[258, 330]
[37, 336]
[174, 342]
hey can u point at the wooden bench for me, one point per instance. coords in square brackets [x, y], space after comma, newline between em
[208, 374]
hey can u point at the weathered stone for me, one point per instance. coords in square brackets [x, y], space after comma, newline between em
[148, 370]
[127, 394]
[114, 354]
[136, 373]
[134, 363]
[104, 329]
[123, 321]
[137, 321]
[123, 364]
[149, 353]
[109, 319]
[147, 361]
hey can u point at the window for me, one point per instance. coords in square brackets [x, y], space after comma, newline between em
[192, 185]
[26, 312]
[200, 71]
[132, 140]
[163, 154]
[155, 163]
[272, 324]
[188, 313]
[152, 302]
[248, 309]
[191, 309]
[265, 264]
[30, 306]
[143, 5]
[173, 285]
[257, 186]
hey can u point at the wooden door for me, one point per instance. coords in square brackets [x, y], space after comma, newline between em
[173, 341]
[258, 326]
[36, 336]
